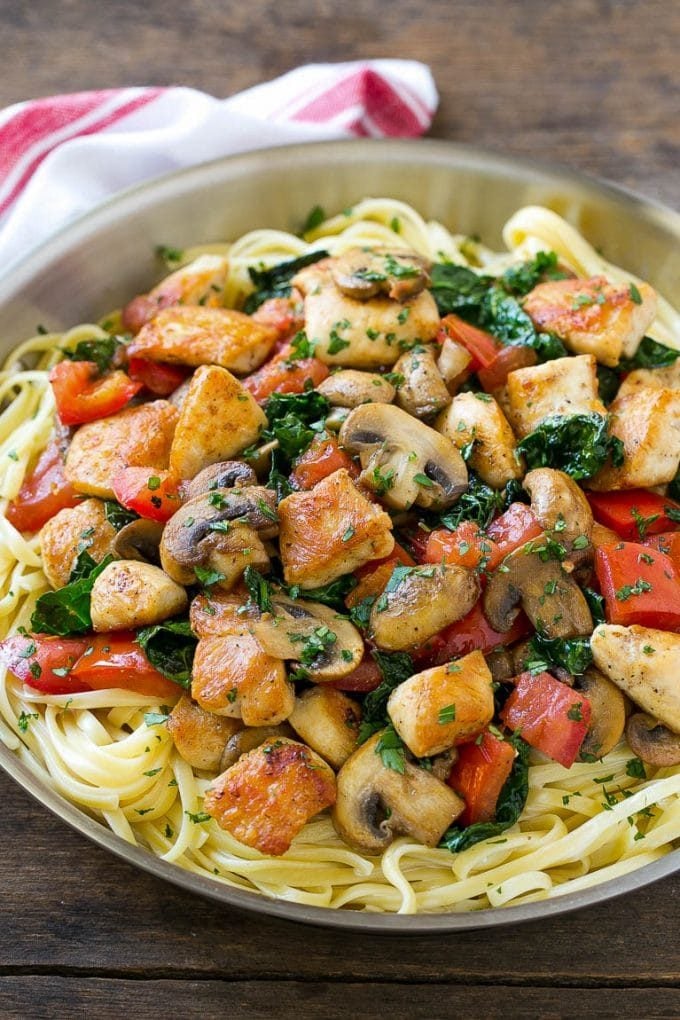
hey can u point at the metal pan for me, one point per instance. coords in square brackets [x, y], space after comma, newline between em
[99, 261]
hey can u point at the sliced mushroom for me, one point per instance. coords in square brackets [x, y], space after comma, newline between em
[361, 273]
[559, 504]
[404, 461]
[374, 803]
[327, 721]
[200, 736]
[653, 742]
[327, 645]
[608, 716]
[139, 540]
[548, 595]
[351, 387]
[220, 531]
[418, 602]
[250, 737]
[423, 392]
[129, 594]
[228, 474]
[443, 763]
[501, 665]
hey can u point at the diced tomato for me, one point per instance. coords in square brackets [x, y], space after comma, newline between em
[640, 585]
[469, 546]
[280, 375]
[116, 660]
[506, 361]
[482, 346]
[550, 716]
[34, 658]
[82, 395]
[366, 677]
[479, 775]
[322, 459]
[633, 513]
[157, 376]
[513, 528]
[43, 494]
[667, 542]
[417, 542]
[284, 314]
[473, 632]
[149, 492]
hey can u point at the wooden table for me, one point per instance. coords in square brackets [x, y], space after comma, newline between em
[591, 83]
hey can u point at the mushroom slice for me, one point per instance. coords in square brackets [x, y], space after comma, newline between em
[608, 714]
[200, 737]
[350, 387]
[418, 602]
[443, 706]
[328, 721]
[423, 392]
[404, 461]
[129, 594]
[361, 273]
[250, 737]
[559, 504]
[327, 645]
[139, 540]
[374, 803]
[643, 662]
[228, 474]
[651, 741]
[546, 592]
[221, 531]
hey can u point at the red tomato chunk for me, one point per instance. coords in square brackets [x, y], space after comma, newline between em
[549, 715]
[640, 585]
[44, 493]
[479, 776]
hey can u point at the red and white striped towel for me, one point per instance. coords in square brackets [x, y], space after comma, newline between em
[61, 156]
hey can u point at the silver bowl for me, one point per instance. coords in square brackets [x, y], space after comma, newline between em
[99, 261]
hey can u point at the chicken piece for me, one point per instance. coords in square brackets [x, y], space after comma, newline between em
[200, 737]
[69, 532]
[201, 282]
[643, 662]
[647, 421]
[269, 795]
[193, 335]
[443, 706]
[218, 419]
[563, 386]
[477, 418]
[363, 334]
[135, 437]
[129, 594]
[330, 530]
[328, 721]
[220, 614]
[232, 676]
[651, 378]
[594, 316]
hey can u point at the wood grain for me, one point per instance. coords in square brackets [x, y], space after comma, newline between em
[592, 84]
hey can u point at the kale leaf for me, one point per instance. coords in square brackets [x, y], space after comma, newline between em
[503, 317]
[595, 604]
[578, 444]
[100, 351]
[673, 491]
[118, 516]
[332, 594]
[295, 419]
[523, 278]
[170, 648]
[259, 589]
[509, 807]
[650, 354]
[67, 610]
[457, 289]
[572, 654]
[395, 668]
[275, 282]
[479, 504]
[608, 380]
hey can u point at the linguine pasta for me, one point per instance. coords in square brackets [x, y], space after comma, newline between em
[110, 751]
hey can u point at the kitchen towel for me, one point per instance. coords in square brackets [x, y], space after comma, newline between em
[63, 155]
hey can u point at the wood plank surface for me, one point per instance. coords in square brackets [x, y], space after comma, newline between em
[593, 84]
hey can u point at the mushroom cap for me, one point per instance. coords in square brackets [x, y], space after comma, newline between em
[351, 387]
[423, 392]
[651, 741]
[362, 273]
[608, 715]
[559, 503]
[375, 803]
[228, 474]
[249, 737]
[139, 540]
[547, 593]
[418, 602]
[404, 460]
[327, 645]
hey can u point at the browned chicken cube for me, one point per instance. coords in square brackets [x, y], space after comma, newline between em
[200, 737]
[232, 676]
[269, 795]
[69, 532]
[330, 530]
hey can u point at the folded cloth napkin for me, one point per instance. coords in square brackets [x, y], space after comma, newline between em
[63, 155]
